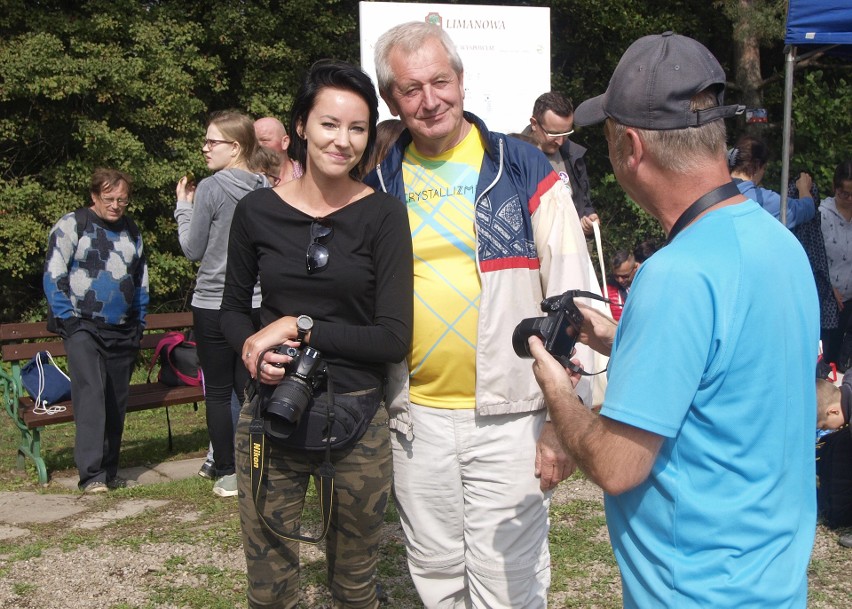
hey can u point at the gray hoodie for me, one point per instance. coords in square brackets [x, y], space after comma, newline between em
[204, 227]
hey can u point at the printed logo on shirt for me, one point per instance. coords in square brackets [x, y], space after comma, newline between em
[565, 180]
[428, 194]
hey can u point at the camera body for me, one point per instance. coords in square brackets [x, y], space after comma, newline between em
[305, 374]
[558, 330]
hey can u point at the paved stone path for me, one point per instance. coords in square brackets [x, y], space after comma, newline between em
[18, 509]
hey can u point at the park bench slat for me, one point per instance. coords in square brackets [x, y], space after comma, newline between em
[21, 341]
[142, 397]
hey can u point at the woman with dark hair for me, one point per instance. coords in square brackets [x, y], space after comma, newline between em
[335, 262]
[836, 216]
[203, 215]
[747, 162]
[645, 250]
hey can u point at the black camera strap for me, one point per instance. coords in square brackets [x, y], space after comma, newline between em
[566, 361]
[705, 202]
[258, 461]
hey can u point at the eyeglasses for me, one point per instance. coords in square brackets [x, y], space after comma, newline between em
[553, 135]
[317, 255]
[120, 201]
[211, 143]
[843, 194]
[274, 180]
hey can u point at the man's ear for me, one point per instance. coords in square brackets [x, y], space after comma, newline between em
[391, 103]
[285, 142]
[633, 150]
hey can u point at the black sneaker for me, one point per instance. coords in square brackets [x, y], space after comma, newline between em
[208, 470]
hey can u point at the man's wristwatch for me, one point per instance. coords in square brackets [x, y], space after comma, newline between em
[304, 324]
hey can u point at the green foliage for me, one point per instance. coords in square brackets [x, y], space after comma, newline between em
[823, 136]
[129, 84]
[761, 19]
[588, 38]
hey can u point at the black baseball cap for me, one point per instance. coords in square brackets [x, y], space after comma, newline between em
[653, 83]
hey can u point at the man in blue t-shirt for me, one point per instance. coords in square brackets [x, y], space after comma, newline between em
[704, 444]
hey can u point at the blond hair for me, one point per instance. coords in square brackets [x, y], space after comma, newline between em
[828, 395]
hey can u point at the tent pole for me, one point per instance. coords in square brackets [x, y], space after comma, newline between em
[789, 66]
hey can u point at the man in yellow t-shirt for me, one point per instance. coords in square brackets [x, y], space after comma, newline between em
[440, 197]
[494, 231]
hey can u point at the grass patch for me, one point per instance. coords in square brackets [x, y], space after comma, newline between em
[216, 589]
[23, 589]
[584, 572]
[145, 443]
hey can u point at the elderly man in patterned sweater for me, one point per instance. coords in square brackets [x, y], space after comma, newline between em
[96, 283]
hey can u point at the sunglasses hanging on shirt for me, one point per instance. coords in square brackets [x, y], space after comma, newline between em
[316, 257]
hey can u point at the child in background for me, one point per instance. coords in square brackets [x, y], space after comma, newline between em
[833, 405]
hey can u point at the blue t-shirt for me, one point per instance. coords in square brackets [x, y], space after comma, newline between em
[715, 352]
[799, 211]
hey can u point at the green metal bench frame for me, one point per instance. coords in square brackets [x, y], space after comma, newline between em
[21, 341]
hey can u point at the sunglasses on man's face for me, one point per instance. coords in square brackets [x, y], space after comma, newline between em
[316, 257]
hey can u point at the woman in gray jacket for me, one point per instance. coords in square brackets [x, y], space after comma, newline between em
[204, 214]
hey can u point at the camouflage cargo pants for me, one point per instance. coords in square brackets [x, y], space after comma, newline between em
[361, 487]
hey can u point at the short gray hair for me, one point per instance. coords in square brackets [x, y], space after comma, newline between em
[679, 150]
[410, 37]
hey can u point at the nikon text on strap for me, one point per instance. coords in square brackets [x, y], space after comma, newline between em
[324, 481]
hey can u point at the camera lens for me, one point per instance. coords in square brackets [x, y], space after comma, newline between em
[534, 326]
[519, 342]
[286, 405]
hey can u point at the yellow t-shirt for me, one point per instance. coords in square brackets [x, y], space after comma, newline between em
[440, 193]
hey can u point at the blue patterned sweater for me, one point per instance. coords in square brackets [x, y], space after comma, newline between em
[102, 276]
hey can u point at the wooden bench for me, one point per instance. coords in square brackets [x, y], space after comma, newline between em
[20, 342]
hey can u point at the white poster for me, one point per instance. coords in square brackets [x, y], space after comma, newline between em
[505, 51]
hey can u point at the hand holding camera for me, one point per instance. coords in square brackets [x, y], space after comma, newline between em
[558, 330]
[304, 375]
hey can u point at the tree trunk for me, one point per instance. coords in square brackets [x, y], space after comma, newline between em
[747, 59]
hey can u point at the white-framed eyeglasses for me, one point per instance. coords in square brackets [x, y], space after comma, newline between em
[555, 135]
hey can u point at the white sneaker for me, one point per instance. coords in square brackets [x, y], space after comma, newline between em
[226, 486]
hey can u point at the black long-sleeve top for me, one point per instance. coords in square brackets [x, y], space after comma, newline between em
[361, 302]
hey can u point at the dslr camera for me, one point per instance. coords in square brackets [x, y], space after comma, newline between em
[305, 374]
[558, 330]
